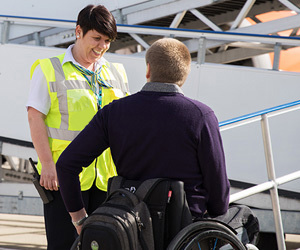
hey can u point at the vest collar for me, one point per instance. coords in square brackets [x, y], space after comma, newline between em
[69, 58]
[162, 87]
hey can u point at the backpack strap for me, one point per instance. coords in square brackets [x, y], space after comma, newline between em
[146, 187]
[143, 189]
[114, 183]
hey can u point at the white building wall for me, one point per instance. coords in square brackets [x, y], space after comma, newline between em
[231, 91]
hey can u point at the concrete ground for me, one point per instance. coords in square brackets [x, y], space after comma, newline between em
[20, 232]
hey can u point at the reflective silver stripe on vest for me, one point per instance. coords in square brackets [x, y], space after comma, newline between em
[63, 133]
[66, 135]
[119, 84]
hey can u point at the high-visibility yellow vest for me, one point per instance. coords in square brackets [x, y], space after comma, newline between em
[73, 105]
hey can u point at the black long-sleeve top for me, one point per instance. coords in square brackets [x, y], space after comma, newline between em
[157, 132]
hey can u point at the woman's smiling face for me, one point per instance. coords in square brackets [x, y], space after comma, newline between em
[92, 45]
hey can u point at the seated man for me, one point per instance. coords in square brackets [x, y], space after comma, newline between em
[157, 132]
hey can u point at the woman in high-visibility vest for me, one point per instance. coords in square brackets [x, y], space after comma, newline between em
[65, 93]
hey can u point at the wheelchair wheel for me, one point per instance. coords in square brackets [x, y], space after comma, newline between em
[206, 236]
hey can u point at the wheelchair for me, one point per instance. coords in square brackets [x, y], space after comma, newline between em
[211, 234]
[186, 233]
[174, 228]
[206, 235]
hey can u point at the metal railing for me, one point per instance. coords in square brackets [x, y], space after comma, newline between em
[273, 182]
[199, 40]
[216, 38]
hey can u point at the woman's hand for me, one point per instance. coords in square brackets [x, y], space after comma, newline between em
[49, 177]
[40, 141]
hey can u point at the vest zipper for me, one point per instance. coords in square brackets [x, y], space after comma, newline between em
[95, 167]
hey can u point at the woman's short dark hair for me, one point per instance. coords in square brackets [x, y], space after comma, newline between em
[97, 17]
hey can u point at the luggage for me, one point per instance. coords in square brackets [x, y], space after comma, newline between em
[123, 221]
[142, 215]
[166, 201]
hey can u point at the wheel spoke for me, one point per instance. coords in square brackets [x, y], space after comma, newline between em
[215, 243]
[199, 246]
[209, 240]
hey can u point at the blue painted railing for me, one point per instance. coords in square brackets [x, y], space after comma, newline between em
[272, 182]
[259, 113]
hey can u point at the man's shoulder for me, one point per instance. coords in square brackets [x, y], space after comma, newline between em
[124, 100]
[204, 108]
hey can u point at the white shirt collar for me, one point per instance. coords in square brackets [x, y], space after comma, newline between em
[69, 58]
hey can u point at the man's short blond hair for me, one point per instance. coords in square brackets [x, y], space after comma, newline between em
[169, 60]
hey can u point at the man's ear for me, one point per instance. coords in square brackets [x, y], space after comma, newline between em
[148, 72]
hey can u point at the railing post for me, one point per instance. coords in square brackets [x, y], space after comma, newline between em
[272, 177]
[5, 32]
[277, 50]
[201, 50]
[1, 162]
[37, 38]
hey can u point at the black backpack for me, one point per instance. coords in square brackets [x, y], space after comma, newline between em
[166, 201]
[123, 221]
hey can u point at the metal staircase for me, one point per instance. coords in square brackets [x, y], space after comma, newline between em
[224, 47]
[209, 15]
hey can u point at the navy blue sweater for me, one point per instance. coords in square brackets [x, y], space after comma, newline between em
[157, 132]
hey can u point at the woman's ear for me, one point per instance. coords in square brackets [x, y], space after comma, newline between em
[78, 31]
[148, 72]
